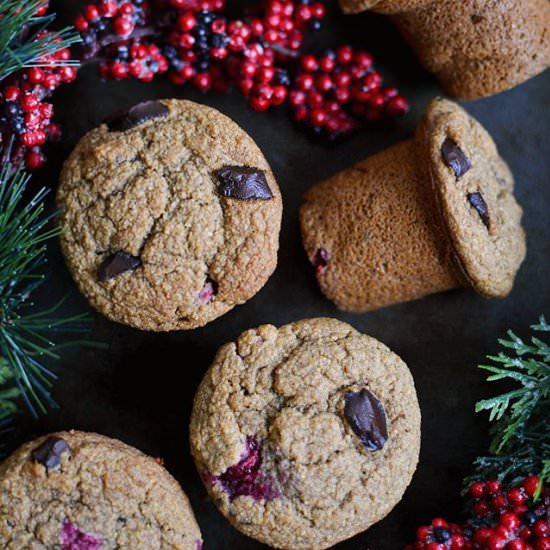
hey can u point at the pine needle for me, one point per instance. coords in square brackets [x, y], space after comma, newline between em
[25, 333]
[520, 443]
[21, 44]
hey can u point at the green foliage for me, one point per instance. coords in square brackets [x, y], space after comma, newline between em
[24, 331]
[20, 46]
[520, 443]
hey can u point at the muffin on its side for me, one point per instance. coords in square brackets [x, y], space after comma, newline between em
[429, 214]
[307, 434]
[476, 48]
[84, 491]
[171, 216]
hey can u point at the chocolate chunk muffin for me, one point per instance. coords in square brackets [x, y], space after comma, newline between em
[170, 216]
[83, 491]
[305, 435]
[476, 48]
[429, 214]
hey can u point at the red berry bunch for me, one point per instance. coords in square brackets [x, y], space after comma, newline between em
[25, 115]
[502, 519]
[194, 42]
[337, 91]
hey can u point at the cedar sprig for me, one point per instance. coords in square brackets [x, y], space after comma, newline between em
[25, 332]
[520, 443]
[23, 42]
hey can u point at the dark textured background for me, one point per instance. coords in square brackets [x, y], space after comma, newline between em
[140, 388]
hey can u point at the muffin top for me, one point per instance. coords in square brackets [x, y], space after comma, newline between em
[170, 216]
[306, 434]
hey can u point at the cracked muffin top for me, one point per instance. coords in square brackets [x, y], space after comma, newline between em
[83, 491]
[306, 435]
[170, 216]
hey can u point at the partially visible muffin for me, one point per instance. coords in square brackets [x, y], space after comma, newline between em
[170, 216]
[476, 48]
[83, 491]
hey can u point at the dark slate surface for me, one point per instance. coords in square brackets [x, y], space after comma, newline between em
[140, 388]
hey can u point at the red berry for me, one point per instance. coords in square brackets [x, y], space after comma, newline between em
[531, 484]
[186, 22]
[126, 9]
[11, 93]
[397, 106]
[482, 534]
[259, 103]
[34, 159]
[123, 26]
[477, 489]
[327, 63]
[29, 102]
[202, 81]
[309, 63]
[280, 94]
[457, 542]
[492, 486]
[36, 75]
[119, 71]
[509, 520]
[304, 82]
[541, 528]
[542, 544]
[516, 495]
[317, 117]
[91, 13]
[265, 74]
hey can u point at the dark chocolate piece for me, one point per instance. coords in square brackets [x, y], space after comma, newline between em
[367, 418]
[49, 452]
[243, 182]
[454, 157]
[117, 263]
[136, 115]
[478, 202]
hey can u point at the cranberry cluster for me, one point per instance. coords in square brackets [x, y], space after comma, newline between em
[193, 41]
[25, 115]
[503, 519]
[337, 91]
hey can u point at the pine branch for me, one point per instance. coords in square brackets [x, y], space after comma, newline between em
[520, 443]
[24, 332]
[22, 40]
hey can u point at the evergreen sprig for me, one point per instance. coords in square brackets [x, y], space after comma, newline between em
[22, 41]
[520, 443]
[24, 331]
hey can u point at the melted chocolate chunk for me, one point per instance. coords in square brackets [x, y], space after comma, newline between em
[117, 263]
[243, 182]
[49, 452]
[136, 115]
[367, 419]
[478, 202]
[454, 157]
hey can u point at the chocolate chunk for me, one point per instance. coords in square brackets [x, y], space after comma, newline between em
[243, 182]
[320, 260]
[136, 115]
[454, 157]
[49, 452]
[367, 418]
[478, 202]
[117, 263]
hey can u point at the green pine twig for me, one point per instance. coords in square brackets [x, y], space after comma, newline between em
[25, 333]
[23, 42]
[520, 443]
